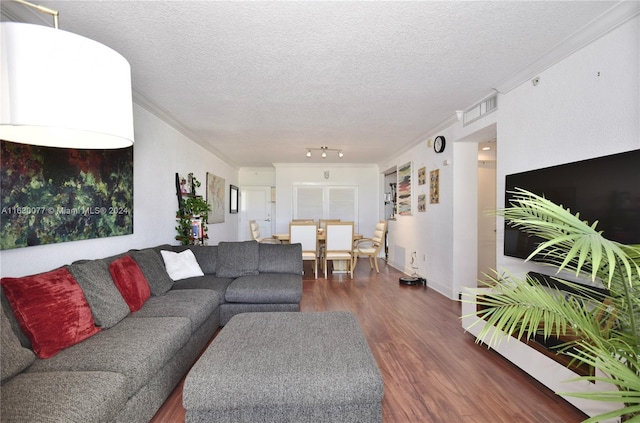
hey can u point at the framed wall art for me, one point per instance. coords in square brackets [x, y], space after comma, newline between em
[422, 203]
[404, 189]
[52, 195]
[434, 186]
[233, 199]
[422, 176]
[215, 198]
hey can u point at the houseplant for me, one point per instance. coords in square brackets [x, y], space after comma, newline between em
[522, 307]
[192, 207]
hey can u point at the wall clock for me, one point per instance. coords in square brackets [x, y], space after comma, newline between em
[439, 144]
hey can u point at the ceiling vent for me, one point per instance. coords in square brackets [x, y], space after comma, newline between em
[479, 110]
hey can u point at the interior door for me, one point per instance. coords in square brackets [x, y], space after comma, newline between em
[255, 204]
[486, 222]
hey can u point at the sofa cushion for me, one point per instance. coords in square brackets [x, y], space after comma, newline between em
[63, 397]
[280, 258]
[130, 281]
[181, 265]
[135, 348]
[153, 268]
[51, 310]
[207, 257]
[237, 259]
[14, 357]
[24, 341]
[194, 304]
[265, 288]
[215, 283]
[107, 305]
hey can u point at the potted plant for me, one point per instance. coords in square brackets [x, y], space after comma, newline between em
[192, 207]
[523, 307]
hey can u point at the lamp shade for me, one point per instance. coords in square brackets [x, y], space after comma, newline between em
[63, 90]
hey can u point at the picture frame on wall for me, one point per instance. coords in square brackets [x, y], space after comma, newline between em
[434, 186]
[404, 189]
[215, 198]
[422, 203]
[233, 199]
[422, 175]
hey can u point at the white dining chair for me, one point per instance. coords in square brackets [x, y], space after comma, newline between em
[306, 234]
[254, 228]
[370, 247]
[339, 245]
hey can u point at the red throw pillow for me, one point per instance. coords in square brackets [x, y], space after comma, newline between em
[130, 281]
[51, 310]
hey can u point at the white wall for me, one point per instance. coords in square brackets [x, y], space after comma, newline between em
[257, 176]
[588, 105]
[429, 234]
[159, 152]
[365, 177]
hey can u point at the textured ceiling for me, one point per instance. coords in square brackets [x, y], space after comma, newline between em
[258, 82]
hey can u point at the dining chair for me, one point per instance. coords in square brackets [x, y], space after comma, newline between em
[306, 234]
[322, 226]
[339, 245]
[322, 223]
[370, 247]
[254, 228]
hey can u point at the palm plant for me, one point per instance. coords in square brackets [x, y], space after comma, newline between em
[524, 307]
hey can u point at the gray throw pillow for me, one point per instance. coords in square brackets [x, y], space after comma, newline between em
[237, 259]
[14, 358]
[153, 269]
[207, 257]
[107, 305]
[280, 258]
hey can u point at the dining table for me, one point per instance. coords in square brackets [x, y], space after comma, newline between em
[284, 237]
[339, 266]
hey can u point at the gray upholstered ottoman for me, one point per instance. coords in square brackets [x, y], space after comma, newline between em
[286, 367]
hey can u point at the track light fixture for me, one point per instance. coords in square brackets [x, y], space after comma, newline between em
[324, 150]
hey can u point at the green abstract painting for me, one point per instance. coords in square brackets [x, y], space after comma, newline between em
[52, 195]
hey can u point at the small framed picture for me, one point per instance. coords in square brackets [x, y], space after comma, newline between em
[233, 199]
[422, 202]
[422, 176]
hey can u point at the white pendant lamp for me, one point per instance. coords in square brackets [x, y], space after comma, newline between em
[63, 90]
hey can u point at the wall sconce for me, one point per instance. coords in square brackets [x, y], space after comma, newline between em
[324, 150]
[62, 90]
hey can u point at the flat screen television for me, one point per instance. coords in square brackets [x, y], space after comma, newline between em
[606, 189]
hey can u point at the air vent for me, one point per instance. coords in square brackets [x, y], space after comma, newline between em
[483, 108]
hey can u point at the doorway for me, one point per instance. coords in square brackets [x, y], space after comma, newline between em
[255, 204]
[487, 156]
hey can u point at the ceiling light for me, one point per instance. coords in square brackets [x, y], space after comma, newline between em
[63, 90]
[324, 150]
[486, 148]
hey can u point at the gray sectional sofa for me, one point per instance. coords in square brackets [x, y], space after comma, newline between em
[125, 371]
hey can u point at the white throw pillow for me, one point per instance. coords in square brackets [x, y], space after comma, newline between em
[181, 265]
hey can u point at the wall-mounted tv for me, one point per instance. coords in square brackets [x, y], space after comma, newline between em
[606, 189]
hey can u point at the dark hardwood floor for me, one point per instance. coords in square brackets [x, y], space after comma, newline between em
[432, 370]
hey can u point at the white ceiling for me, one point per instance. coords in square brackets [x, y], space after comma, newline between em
[259, 82]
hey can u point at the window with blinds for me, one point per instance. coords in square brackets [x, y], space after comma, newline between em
[326, 202]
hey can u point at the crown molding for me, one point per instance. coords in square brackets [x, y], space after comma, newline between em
[167, 118]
